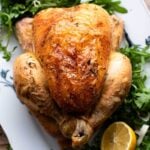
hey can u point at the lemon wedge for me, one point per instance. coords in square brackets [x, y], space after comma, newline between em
[118, 136]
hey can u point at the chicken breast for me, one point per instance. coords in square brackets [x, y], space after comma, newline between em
[73, 48]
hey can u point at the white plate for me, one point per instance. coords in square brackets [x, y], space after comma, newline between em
[23, 132]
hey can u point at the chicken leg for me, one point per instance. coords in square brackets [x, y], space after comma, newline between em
[116, 87]
[31, 88]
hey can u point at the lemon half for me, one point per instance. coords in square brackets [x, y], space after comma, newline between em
[118, 136]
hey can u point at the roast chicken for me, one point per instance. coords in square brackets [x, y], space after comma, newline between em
[71, 76]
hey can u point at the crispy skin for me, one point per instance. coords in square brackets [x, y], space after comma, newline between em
[29, 81]
[73, 46]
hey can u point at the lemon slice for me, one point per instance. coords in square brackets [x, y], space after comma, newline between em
[118, 136]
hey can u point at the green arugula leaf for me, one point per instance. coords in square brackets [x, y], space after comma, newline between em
[6, 54]
[110, 6]
[142, 100]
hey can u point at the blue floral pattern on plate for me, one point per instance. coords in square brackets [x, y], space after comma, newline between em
[6, 81]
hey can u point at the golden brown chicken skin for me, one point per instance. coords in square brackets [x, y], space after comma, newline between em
[71, 71]
[73, 46]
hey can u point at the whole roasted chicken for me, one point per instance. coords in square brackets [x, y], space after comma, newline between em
[71, 76]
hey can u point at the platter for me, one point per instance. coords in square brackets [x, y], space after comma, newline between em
[22, 129]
